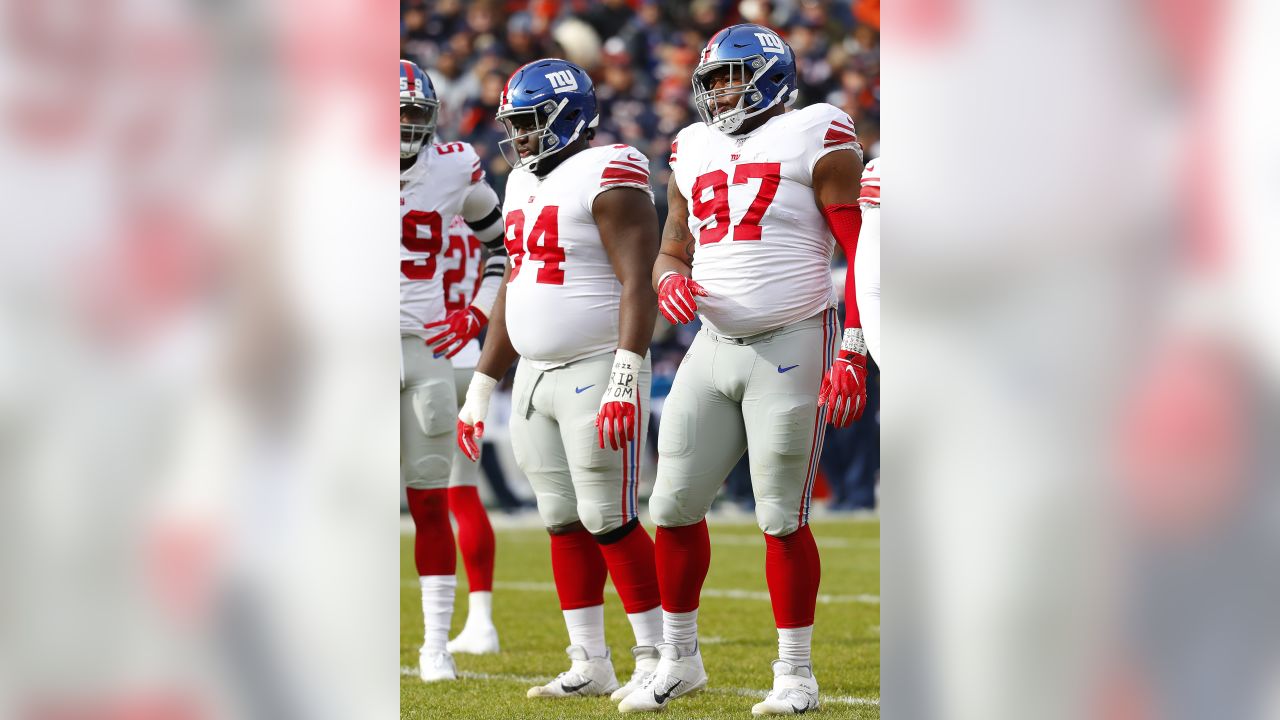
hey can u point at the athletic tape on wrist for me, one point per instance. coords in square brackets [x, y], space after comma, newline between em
[854, 341]
[624, 378]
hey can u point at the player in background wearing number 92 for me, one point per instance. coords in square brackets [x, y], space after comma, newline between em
[437, 182]
[755, 195]
[578, 308]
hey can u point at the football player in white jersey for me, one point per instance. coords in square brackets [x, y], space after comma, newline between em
[755, 196]
[579, 310]
[437, 182]
[867, 267]
[464, 266]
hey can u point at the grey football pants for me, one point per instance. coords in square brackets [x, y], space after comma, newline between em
[554, 437]
[428, 416]
[731, 395]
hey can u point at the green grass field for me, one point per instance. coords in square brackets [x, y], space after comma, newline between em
[735, 624]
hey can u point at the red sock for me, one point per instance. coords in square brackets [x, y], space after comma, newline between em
[683, 557]
[579, 569]
[433, 550]
[475, 537]
[631, 564]
[792, 568]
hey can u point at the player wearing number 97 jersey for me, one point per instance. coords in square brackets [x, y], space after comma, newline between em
[578, 309]
[755, 196]
[437, 182]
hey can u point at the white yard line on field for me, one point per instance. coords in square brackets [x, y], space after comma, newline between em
[739, 692]
[722, 593]
[758, 541]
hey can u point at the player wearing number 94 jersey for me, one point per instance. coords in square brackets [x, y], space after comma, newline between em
[755, 196]
[579, 310]
[437, 182]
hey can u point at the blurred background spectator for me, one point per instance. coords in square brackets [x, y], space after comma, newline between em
[641, 55]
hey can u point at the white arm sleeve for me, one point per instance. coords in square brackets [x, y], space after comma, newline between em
[866, 275]
[479, 203]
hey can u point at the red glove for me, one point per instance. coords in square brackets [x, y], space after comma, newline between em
[844, 387]
[617, 417]
[460, 327]
[471, 417]
[676, 298]
[469, 439]
[616, 421]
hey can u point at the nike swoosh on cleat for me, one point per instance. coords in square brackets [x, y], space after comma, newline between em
[661, 698]
[574, 688]
[789, 367]
[581, 390]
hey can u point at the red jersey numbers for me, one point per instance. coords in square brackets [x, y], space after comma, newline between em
[711, 201]
[543, 244]
[460, 250]
[714, 207]
[449, 148]
[421, 232]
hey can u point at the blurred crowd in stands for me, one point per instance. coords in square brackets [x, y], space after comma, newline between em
[641, 54]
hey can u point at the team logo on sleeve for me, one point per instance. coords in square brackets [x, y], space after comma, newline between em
[771, 43]
[562, 81]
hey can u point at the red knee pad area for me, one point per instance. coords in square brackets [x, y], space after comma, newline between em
[631, 563]
[793, 570]
[475, 537]
[433, 549]
[579, 569]
[683, 557]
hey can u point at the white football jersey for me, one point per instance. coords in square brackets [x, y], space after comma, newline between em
[869, 197]
[432, 192]
[460, 264]
[563, 296]
[763, 248]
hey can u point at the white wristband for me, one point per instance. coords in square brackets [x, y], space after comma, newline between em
[476, 407]
[624, 379]
[662, 277]
[854, 341]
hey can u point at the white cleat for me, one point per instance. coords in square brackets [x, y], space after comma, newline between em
[646, 663]
[586, 677]
[436, 666]
[795, 691]
[475, 640]
[675, 675]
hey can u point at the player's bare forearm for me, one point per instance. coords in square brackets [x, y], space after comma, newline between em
[676, 253]
[498, 354]
[628, 225]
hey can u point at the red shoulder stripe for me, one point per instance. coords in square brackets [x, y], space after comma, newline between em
[619, 175]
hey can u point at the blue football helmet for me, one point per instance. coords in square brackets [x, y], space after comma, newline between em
[761, 73]
[419, 108]
[547, 103]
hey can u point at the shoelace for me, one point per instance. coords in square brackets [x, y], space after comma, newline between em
[787, 693]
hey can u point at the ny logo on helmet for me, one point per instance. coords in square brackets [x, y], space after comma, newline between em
[771, 43]
[562, 81]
